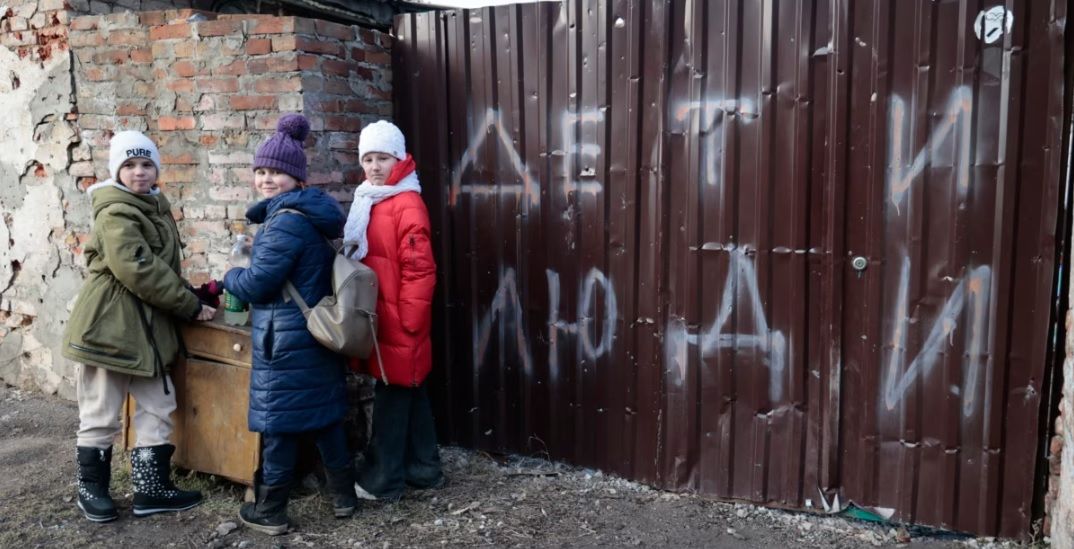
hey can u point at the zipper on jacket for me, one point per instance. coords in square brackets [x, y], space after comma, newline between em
[412, 256]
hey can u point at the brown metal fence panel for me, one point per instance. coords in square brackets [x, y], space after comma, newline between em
[771, 251]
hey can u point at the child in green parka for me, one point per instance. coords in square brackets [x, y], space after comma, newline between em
[122, 332]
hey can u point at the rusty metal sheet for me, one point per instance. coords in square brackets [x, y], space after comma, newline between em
[769, 251]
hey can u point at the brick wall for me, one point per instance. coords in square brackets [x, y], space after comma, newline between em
[208, 92]
[34, 30]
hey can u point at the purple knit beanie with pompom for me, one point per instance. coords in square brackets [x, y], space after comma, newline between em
[283, 150]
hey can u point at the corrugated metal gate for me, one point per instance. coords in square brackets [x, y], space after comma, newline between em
[761, 250]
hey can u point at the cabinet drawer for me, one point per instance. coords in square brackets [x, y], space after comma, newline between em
[218, 341]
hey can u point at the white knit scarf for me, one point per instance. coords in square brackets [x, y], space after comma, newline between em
[367, 195]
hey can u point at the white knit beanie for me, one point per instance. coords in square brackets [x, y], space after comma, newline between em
[383, 137]
[130, 144]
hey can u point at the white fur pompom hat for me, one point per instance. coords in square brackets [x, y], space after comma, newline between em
[130, 144]
[383, 137]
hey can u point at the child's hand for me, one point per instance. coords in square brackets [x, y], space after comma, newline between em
[206, 313]
[209, 293]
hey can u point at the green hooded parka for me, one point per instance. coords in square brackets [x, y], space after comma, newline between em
[133, 261]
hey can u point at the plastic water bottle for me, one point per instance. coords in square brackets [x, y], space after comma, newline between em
[237, 311]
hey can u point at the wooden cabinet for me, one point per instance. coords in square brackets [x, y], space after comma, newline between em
[213, 393]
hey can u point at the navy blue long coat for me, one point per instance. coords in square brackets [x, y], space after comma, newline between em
[297, 385]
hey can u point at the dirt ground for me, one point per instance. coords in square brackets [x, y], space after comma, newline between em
[512, 502]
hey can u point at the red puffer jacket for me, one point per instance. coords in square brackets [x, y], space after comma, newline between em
[401, 254]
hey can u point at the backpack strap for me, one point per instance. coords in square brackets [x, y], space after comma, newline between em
[303, 214]
[292, 293]
[376, 348]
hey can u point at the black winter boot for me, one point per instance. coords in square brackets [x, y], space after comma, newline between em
[94, 475]
[268, 514]
[341, 486]
[151, 475]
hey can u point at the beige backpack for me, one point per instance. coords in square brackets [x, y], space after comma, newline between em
[344, 321]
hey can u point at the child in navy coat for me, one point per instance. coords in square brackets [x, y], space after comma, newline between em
[297, 385]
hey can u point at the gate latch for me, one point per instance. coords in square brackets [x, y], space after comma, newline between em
[859, 263]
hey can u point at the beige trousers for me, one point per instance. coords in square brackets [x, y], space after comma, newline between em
[101, 394]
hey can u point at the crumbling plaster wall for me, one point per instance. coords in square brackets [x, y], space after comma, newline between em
[37, 271]
[45, 221]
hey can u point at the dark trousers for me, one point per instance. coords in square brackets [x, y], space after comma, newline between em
[403, 447]
[279, 452]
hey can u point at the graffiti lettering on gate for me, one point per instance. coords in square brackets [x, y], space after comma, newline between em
[506, 307]
[897, 380]
[583, 328]
[740, 285]
[956, 123]
[713, 113]
[492, 126]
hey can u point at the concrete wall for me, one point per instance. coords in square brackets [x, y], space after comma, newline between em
[208, 92]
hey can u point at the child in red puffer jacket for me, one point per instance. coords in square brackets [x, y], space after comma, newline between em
[388, 229]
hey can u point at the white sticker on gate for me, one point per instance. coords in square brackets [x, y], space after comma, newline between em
[993, 23]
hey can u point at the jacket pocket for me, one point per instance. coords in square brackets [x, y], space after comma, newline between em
[389, 327]
[266, 340]
[113, 328]
[124, 361]
[417, 257]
